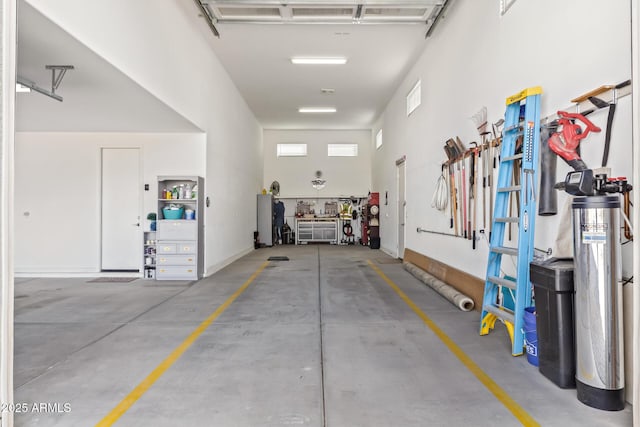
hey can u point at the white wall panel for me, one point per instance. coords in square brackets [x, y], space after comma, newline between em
[57, 206]
[345, 176]
[476, 58]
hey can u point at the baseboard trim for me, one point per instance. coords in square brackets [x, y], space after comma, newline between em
[222, 264]
[462, 281]
[73, 274]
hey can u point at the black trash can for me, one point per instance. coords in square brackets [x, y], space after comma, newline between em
[554, 296]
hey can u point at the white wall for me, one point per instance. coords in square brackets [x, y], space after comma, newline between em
[167, 50]
[58, 184]
[345, 176]
[494, 57]
[476, 58]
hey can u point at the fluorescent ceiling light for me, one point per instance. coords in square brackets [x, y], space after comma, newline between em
[317, 110]
[22, 88]
[319, 61]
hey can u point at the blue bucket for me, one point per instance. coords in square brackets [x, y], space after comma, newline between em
[531, 335]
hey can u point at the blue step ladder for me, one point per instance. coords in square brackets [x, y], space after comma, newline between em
[495, 304]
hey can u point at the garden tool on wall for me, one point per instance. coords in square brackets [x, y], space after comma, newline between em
[463, 184]
[452, 187]
[566, 141]
[598, 103]
[473, 185]
[480, 121]
[486, 179]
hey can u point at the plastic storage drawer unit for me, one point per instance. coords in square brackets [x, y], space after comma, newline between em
[554, 295]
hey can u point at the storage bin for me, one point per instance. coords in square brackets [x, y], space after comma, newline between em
[554, 291]
[173, 213]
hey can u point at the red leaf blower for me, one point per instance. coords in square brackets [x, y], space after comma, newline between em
[565, 142]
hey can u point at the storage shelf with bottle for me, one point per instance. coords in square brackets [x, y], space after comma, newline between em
[149, 254]
[178, 198]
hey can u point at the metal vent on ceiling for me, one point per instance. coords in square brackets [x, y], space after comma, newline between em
[395, 12]
[246, 12]
[323, 12]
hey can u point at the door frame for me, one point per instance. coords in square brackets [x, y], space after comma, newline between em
[140, 230]
[402, 161]
[8, 35]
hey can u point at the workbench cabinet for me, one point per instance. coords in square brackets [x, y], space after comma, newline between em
[316, 230]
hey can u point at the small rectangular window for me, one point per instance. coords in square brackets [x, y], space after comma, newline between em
[292, 150]
[414, 98]
[379, 139]
[342, 150]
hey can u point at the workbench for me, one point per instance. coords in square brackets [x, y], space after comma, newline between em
[316, 230]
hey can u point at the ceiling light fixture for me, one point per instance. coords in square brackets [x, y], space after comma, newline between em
[319, 61]
[318, 183]
[317, 110]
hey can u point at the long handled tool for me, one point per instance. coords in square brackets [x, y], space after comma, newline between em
[480, 120]
[490, 159]
[463, 184]
[453, 148]
[472, 193]
[459, 199]
[449, 150]
[485, 180]
[452, 191]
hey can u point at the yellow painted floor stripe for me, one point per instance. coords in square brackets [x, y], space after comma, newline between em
[485, 379]
[142, 388]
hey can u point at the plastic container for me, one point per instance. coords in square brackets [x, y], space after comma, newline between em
[554, 290]
[531, 335]
[173, 213]
[189, 214]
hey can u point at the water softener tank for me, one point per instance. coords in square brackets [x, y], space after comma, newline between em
[598, 302]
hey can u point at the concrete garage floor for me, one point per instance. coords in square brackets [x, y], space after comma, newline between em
[320, 340]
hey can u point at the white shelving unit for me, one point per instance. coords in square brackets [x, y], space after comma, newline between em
[149, 254]
[180, 243]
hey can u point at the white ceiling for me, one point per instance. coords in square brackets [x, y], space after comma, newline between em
[98, 97]
[258, 59]
[381, 39]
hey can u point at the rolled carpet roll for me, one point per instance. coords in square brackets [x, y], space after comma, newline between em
[461, 301]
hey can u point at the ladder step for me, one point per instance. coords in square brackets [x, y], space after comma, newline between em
[500, 313]
[502, 282]
[516, 157]
[509, 189]
[505, 250]
[512, 219]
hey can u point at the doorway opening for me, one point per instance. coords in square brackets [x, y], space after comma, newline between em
[402, 204]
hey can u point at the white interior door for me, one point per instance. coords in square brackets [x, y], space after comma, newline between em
[121, 209]
[402, 204]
